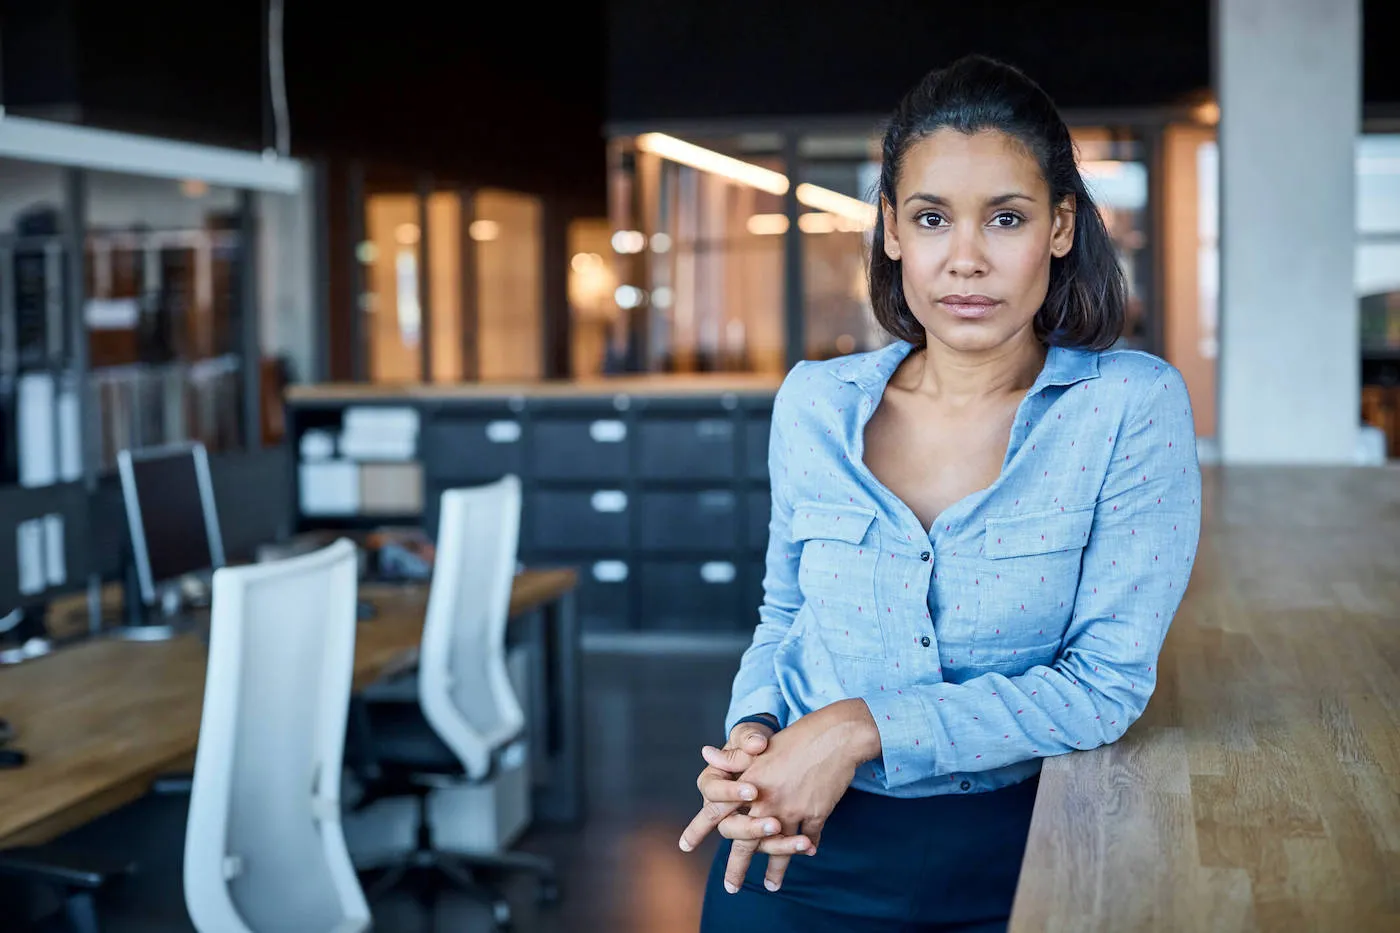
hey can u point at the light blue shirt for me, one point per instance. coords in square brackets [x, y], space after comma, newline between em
[1026, 622]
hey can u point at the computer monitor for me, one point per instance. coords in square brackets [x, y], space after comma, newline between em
[170, 511]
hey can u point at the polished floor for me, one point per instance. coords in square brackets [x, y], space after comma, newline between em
[646, 718]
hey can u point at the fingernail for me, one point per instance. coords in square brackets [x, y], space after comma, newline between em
[771, 885]
[747, 793]
[731, 887]
[771, 828]
[811, 851]
[800, 845]
[685, 846]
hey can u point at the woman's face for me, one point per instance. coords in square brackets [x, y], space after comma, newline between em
[974, 231]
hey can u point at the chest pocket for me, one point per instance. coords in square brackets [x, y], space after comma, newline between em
[1030, 577]
[836, 573]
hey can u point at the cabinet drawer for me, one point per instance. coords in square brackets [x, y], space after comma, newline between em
[464, 450]
[689, 521]
[582, 520]
[579, 448]
[686, 448]
[696, 596]
[604, 598]
[756, 447]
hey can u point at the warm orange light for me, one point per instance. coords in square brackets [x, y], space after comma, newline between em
[816, 197]
[833, 202]
[707, 160]
[767, 224]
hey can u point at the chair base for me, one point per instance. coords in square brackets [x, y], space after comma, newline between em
[75, 876]
[428, 872]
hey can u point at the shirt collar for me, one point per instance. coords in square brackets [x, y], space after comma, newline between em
[1064, 366]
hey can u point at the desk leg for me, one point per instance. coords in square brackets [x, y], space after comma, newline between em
[540, 705]
[562, 801]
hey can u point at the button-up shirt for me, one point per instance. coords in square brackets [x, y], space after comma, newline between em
[1026, 621]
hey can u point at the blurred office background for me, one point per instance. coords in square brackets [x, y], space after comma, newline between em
[583, 245]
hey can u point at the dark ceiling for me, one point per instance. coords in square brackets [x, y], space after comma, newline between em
[518, 96]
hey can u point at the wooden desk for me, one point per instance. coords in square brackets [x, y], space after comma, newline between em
[102, 719]
[1261, 789]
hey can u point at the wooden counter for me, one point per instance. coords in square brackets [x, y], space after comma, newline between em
[658, 385]
[1261, 789]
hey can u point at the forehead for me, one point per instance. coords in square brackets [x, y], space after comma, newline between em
[953, 164]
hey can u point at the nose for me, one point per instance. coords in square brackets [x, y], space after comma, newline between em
[967, 257]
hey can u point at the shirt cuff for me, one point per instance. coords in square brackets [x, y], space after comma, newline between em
[762, 700]
[909, 739]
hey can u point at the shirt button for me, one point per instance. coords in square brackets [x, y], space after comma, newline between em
[924, 556]
[924, 641]
[966, 785]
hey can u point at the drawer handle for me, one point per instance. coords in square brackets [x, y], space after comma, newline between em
[714, 428]
[608, 431]
[717, 501]
[609, 500]
[610, 571]
[503, 432]
[717, 571]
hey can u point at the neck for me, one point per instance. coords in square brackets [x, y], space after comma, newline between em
[959, 378]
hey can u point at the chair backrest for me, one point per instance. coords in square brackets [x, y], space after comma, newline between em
[463, 684]
[264, 850]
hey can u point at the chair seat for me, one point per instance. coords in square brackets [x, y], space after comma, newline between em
[405, 741]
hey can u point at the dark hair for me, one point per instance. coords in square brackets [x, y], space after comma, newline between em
[1085, 304]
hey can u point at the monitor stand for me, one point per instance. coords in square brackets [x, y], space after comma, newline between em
[141, 622]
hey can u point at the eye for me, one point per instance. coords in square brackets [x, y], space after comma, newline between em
[931, 219]
[1007, 220]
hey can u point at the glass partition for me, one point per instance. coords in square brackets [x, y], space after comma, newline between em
[699, 271]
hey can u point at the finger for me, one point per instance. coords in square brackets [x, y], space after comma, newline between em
[775, 846]
[710, 816]
[740, 854]
[716, 786]
[754, 741]
[732, 760]
[778, 864]
[749, 828]
[812, 829]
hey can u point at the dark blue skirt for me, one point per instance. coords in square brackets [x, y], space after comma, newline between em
[944, 863]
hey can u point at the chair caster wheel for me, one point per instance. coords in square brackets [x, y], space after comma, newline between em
[549, 892]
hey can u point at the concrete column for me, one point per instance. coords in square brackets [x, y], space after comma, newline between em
[1288, 79]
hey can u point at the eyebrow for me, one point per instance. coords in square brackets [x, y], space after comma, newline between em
[997, 201]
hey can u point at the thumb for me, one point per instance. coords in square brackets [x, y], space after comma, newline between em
[754, 742]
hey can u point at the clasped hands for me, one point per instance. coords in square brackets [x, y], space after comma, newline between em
[772, 792]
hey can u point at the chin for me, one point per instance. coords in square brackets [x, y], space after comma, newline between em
[968, 336]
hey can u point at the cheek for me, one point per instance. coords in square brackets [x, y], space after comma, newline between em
[1025, 268]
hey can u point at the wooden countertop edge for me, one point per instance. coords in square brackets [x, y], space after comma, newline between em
[651, 386]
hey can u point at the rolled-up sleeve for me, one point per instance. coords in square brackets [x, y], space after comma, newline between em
[1134, 573]
[756, 685]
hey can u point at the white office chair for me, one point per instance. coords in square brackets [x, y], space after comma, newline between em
[264, 851]
[465, 714]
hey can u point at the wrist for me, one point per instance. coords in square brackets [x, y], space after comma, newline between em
[859, 736]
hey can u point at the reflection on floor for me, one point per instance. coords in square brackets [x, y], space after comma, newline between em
[645, 719]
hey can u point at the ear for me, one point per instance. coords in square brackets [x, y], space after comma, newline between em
[1062, 231]
[891, 231]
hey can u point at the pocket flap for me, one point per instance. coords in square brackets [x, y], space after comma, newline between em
[1039, 533]
[847, 523]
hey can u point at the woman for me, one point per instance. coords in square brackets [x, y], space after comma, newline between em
[979, 536]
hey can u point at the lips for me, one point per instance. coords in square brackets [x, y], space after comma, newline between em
[969, 306]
